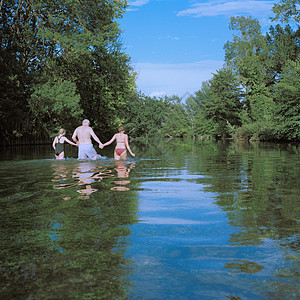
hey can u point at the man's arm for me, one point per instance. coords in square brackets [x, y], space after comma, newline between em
[96, 138]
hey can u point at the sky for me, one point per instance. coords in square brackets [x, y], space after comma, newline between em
[175, 45]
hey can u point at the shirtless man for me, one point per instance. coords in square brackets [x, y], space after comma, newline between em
[82, 136]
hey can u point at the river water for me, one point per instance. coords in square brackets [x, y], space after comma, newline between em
[184, 219]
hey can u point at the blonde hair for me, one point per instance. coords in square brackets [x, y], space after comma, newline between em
[62, 131]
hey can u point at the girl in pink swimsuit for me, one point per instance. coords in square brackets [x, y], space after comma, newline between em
[122, 144]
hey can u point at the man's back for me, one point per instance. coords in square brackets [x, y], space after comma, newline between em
[84, 134]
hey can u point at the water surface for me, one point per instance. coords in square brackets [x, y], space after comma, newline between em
[185, 219]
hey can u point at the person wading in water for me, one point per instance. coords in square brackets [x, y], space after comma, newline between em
[122, 144]
[58, 144]
[82, 136]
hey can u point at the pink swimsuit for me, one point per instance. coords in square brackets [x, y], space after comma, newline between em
[120, 151]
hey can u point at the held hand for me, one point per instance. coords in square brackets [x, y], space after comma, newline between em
[101, 146]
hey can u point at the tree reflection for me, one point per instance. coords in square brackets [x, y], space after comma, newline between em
[71, 249]
[257, 185]
[259, 189]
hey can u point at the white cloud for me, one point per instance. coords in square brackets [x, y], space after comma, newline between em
[138, 2]
[158, 94]
[174, 79]
[215, 8]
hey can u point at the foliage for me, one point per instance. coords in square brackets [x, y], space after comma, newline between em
[282, 46]
[224, 102]
[46, 44]
[286, 10]
[55, 103]
[260, 130]
[63, 61]
[144, 115]
[244, 56]
[287, 97]
[176, 118]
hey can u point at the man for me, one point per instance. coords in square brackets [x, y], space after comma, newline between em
[82, 137]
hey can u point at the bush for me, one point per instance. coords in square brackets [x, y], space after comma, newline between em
[255, 131]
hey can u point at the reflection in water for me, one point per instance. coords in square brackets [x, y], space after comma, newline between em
[122, 172]
[84, 174]
[244, 266]
[217, 220]
[73, 249]
[87, 173]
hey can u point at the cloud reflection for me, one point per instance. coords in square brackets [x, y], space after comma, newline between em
[170, 221]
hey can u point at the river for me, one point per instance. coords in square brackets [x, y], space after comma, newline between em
[184, 219]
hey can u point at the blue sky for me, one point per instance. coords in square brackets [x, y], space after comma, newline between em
[175, 45]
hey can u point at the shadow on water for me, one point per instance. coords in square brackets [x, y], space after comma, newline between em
[187, 219]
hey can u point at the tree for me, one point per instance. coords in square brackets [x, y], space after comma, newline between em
[55, 103]
[176, 123]
[249, 56]
[286, 10]
[145, 115]
[282, 46]
[203, 123]
[287, 97]
[224, 103]
[192, 109]
[44, 43]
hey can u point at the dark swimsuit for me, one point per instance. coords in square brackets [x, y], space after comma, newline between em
[59, 147]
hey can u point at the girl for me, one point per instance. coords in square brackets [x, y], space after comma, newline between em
[122, 143]
[58, 144]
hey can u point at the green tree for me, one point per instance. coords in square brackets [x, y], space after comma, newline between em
[245, 54]
[55, 103]
[287, 97]
[203, 123]
[282, 46]
[224, 103]
[192, 110]
[64, 41]
[286, 10]
[176, 122]
[145, 115]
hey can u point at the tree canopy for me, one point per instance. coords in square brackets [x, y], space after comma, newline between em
[63, 61]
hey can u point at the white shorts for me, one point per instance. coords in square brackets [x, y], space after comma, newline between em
[85, 151]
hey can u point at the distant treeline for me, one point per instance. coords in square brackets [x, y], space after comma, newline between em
[63, 61]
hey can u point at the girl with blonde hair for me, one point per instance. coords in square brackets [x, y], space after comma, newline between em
[58, 144]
